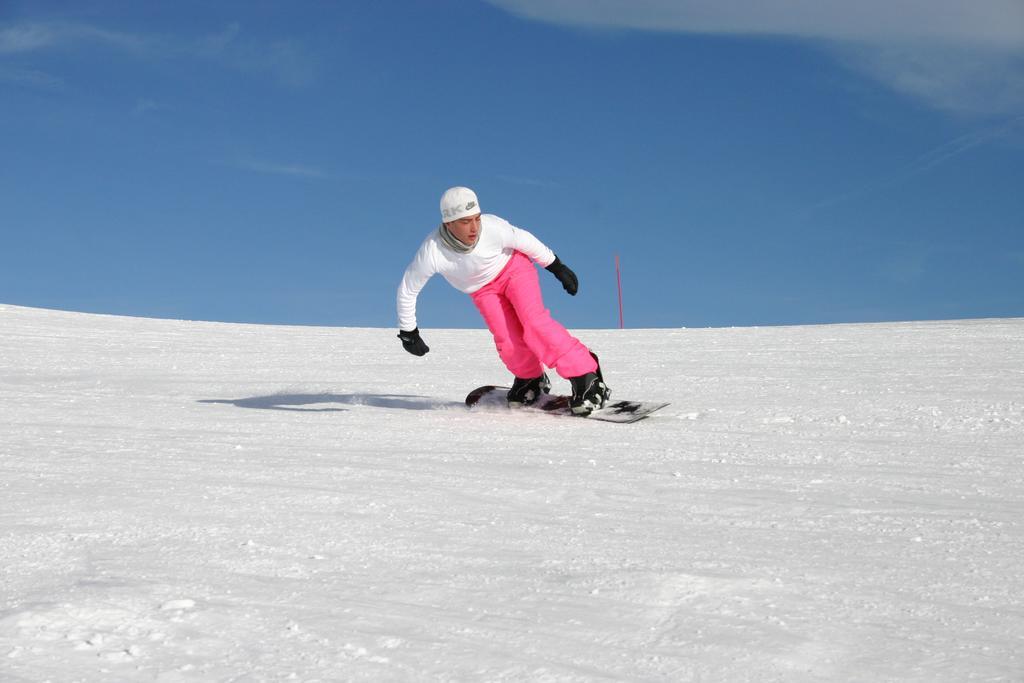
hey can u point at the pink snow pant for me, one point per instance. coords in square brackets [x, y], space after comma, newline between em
[524, 332]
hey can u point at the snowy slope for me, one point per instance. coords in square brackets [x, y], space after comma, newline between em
[188, 501]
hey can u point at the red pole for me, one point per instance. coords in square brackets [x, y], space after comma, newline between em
[618, 279]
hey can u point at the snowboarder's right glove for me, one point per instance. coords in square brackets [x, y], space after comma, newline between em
[412, 342]
[564, 275]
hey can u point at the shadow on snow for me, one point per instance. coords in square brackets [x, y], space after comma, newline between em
[298, 402]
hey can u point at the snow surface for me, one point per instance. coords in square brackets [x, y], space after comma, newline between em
[186, 501]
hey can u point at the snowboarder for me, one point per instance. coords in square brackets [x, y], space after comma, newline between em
[493, 261]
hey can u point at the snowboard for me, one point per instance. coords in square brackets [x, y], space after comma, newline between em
[622, 412]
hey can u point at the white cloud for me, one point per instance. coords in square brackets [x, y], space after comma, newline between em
[957, 78]
[24, 38]
[964, 143]
[960, 55]
[218, 43]
[283, 60]
[145, 106]
[31, 78]
[988, 22]
[922, 164]
[40, 36]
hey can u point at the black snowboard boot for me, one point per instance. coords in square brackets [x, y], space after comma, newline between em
[525, 392]
[589, 392]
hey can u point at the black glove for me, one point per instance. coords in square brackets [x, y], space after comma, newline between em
[565, 276]
[412, 342]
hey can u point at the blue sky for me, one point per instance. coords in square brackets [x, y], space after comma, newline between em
[280, 162]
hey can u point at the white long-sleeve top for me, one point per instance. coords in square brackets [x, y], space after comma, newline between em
[497, 241]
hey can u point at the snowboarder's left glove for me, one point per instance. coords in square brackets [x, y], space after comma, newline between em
[565, 276]
[413, 343]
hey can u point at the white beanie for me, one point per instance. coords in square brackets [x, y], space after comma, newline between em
[458, 202]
